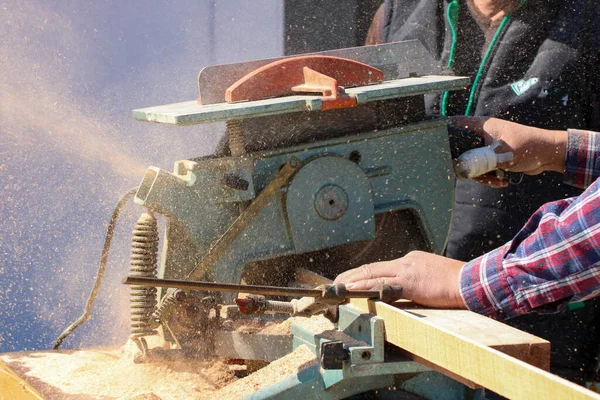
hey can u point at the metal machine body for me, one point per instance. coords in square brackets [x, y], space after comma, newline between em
[349, 171]
[325, 182]
[327, 199]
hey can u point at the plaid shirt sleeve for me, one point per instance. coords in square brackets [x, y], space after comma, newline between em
[554, 260]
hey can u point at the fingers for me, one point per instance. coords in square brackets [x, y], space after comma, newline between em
[356, 274]
[369, 284]
[474, 124]
[367, 272]
[491, 180]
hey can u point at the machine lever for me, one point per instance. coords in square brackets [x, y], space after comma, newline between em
[260, 202]
[331, 297]
[325, 294]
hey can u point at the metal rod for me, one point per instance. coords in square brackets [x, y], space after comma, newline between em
[252, 289]
[223, 287]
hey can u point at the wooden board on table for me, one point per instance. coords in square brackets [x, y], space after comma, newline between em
[475, 348]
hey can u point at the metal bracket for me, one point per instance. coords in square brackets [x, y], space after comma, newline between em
[262, 200]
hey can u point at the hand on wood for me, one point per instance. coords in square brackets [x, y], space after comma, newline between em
[425, 278]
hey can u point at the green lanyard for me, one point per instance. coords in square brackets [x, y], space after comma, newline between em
[452, 16]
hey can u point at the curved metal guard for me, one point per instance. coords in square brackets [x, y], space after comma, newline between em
[308, 74]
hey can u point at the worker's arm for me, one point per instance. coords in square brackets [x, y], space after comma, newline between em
[574, 153]
[555, 257]
[553, 260]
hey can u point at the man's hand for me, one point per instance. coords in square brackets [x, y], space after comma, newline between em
[535, 150]
[425, 278]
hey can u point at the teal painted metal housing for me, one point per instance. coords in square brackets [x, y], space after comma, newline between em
[408, 167]
[333, 197]
[331, 201]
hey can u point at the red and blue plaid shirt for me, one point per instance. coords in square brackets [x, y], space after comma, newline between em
[554, 260]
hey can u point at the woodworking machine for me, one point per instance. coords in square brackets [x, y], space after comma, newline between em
[329, 162]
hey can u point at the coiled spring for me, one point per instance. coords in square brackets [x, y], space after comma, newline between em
[167, 305]
[144, 249]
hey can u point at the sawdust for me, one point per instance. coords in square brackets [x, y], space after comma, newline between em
[249, 325]
[278, 370]
[144, 396]
[316, 323]
[282, 328]
[112, 374]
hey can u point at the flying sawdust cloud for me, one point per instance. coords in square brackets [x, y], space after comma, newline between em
[70, 74]
[38, 112]
[63, 163]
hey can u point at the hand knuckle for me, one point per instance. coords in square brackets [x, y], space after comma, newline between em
[367, 271]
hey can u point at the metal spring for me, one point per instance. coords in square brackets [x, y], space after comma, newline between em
[144, 249]
[167, 305]
[280, 306]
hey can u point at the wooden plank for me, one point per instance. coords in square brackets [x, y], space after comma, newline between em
[191, 113]
[431, 335]
[488, 332]
[14, 387]
[408, 87]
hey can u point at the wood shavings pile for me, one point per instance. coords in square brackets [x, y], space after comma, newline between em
[112, 374]
[278, 370]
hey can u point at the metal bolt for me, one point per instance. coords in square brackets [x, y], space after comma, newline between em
[331, 202]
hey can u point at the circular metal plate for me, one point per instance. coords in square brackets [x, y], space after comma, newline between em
[330, 203]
